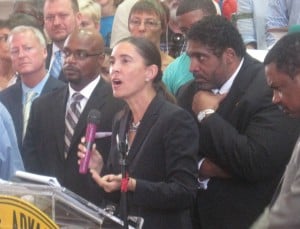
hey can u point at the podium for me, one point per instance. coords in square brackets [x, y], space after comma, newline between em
[65, 208]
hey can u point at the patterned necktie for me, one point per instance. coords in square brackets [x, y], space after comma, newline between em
[29, 97]
[72, 117]
[56, 65]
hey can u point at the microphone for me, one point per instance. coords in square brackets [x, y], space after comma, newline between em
[93, 120]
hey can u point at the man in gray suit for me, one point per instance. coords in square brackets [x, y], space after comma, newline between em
[282, 66]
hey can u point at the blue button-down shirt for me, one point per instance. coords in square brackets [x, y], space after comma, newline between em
[37, 88]
[10, 157]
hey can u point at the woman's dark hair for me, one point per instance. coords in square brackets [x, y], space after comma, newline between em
[151, 56]
[285, 54]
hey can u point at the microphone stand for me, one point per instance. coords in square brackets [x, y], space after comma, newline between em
[123, 149]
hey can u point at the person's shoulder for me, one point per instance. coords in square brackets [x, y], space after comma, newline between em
[252, 80]
[3, 111]
[252, 65]
[53, 83]
[11, 93]
[5, 117]
[173, 115]
[52, 95]
[176, 65]
[168, 107]
[11, 89]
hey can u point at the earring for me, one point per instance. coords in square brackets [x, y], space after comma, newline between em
[147, 80]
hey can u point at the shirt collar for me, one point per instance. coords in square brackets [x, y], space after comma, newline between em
[87, 90]
[227, 85]
[54, 49]
[37, 88]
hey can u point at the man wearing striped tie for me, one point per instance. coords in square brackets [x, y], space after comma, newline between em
[58, 120]
[28, 53]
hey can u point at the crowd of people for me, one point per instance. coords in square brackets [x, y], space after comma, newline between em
[206, 133]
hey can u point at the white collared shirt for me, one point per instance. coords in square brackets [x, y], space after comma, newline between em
[86, 92]
[227, 85]
[223, 90]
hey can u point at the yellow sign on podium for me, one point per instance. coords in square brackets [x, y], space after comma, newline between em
[16, 213]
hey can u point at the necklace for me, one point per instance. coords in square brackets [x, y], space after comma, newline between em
[134, 126]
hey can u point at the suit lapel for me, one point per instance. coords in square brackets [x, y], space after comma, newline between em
[147, 123]
[49, 55]
[59, 119]
[241, 82]
[51, 85]
[96, 101]
[18, 111]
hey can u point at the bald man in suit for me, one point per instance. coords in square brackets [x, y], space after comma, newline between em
[45, 146]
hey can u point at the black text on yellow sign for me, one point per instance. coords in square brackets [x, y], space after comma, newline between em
[16, 213]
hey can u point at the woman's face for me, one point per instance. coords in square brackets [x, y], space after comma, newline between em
[4, 48]
[128, 72]
[144, 24]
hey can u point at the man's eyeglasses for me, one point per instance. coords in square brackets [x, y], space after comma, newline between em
[4, 37]
[79, 54]
[147, 23]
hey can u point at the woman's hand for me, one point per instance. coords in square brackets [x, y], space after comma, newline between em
[96, 160]
[111, 182]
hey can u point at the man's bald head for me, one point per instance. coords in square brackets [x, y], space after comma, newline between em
[84, 55]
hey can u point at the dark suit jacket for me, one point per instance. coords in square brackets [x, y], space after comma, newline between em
[249, 137]
[43, 146]
[12, 99]
[48, 61]
[163, 160]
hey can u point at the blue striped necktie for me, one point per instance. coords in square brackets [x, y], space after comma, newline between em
[56, 65]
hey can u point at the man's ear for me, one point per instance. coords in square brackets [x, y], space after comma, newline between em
[45, 53]
[230, 55]
[78, 18]
[101, 59]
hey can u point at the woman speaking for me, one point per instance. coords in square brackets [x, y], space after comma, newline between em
[161, 138]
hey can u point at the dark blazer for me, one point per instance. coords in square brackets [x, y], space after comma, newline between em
[61, 77]
[163, 160]
[43, 146]
[11, 97]
[249, 137]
